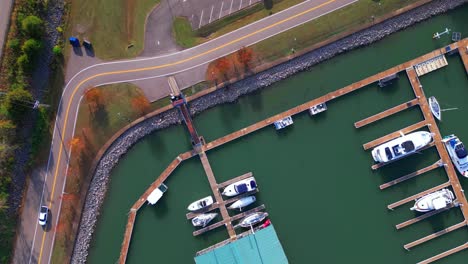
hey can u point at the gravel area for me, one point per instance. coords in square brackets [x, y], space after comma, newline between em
[99, 184]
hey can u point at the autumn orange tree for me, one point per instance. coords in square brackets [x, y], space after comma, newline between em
[141, 104]
[77, 145]
[223, 65]
[95, 99]
[245, 55]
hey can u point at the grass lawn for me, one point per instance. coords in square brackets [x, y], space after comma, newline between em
[183, 34]
[111, 25]
[320, 29]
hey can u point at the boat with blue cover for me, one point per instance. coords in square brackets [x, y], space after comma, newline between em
[458, 153]
[282, 123]
[242, 186]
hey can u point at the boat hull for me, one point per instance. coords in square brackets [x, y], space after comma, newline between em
[203, 219]
[243, 202]
[435, 108]
[433, 201]
[253, 219]
[401, 147]
[242, 186]
[451, 142]
[200, 204]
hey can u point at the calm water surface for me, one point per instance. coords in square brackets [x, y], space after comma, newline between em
[315, 177]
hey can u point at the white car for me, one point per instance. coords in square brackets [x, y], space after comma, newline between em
[43, 213]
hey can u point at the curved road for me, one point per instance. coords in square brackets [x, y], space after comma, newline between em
[34, 245]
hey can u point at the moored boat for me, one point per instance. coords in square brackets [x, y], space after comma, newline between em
[435, 108]
[253, 219]
[433, 201]
[401, 147]
[200, 204]
[243, 202]
[457, 153]
[203, 219]
[280, 124]
[318, 109]
[242, 186]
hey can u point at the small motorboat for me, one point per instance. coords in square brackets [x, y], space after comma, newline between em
[200, 204]
[401, 147]
[203, 219]
[435, 107]
[317, 109]
[458, 153]
[280, 124]
[243, 202]
[242, 186]
[433, 201]
[253, 219]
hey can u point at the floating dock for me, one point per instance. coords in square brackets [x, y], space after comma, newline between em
[434, 235]
[430, 65]
[386, 113]
[423, 216]
[411, 175]
[416, 196]
[406, 130]
[445, 254]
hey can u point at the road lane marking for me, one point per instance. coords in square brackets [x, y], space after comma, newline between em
[159, 67]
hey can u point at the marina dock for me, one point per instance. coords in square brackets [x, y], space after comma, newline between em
[422, 217]
[434, 235]
[411, 175]
[381, 164]
[386, 113]
[445, 254]
[435, 58]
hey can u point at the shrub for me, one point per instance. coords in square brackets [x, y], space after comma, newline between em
[23, 63]
[31, 47]
[32, 26]
[14, 45]
[17, 103]
[57, 50]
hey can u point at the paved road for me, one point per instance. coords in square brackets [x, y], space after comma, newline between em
[5, 10]
[37, 244]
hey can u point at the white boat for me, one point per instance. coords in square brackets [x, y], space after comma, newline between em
[280, 124]
[401, 147]
[318, 109]
[253, 219]
[200, 204]
[243, 202]
[458, 153]
[433, 201]
[203, 219]
[242, 186]
[435, 108]
[155, 195]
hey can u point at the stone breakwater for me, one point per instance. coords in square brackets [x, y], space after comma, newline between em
[99, 184]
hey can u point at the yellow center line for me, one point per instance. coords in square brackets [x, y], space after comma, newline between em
[154, 68]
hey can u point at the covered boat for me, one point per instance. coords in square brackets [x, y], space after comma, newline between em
[318, 109]
[401, 147]
[458, 153]
[243, 202]
[280, 124]
[242, 186]
[253, 219]
[203, 219]
[200, 204]
[433, 201]
[435, 107]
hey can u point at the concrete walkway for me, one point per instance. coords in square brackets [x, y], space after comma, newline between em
[5, 11]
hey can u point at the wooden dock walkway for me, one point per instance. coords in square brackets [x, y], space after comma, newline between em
[381, 164]
[445, 254]
[228, 220]
[411, 175]
[463, 51]
[394, 135]
[418, 195]
[444, 156]
[386, 113]
[423, 216]
[236, 179]
[434, 235]
[216, 205]
[127, 236]
[217, 194]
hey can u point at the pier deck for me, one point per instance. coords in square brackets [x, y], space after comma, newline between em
[228, 220]
[423, 216]
[386, 113]
[217, 194]
[445, 254]
[411, 175]
[435, 235]
[236, 179]
[463, 51]
[418, 195]
[394, 135]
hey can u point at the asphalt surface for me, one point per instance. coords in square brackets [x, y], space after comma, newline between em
[5, 11]
[34, 244]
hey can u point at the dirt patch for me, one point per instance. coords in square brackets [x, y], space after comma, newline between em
[130, 18]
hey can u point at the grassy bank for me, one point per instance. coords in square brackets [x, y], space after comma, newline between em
[116, 28]
[183, 34]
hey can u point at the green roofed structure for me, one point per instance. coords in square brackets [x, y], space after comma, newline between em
[263, 246]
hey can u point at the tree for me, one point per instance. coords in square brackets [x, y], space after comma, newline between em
[95, 99]
[31, 47]
[245, 55]
[223, 65]
[7, 130]
[268, 4]
[76, 144]
[32, 26]
[57, 50]
[18, 102]
[24, 63]
[141, 104]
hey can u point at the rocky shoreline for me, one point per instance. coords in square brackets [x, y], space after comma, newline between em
[99, 184]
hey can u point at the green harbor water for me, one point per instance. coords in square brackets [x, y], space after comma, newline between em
[314, 177]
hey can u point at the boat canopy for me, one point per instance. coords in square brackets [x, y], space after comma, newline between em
[155, 195]
[439, 203]
[253, 184]
[408, 145]
[460, 150]
[241, 188]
